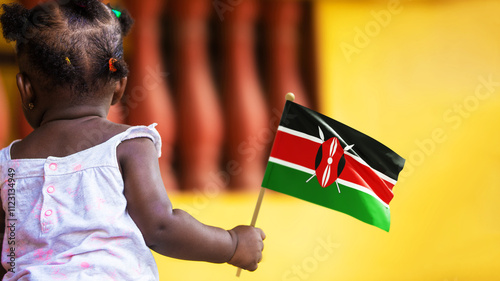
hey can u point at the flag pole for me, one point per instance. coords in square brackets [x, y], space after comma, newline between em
[290, 97]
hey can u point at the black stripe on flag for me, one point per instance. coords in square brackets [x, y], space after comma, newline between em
[374, 153]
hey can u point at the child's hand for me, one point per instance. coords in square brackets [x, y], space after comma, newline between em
[249, 246]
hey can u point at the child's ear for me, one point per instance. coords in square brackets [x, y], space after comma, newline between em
[25, 90]
[119, 90]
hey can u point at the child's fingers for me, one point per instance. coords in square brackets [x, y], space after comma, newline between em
[249, 250]
[256, 262]
[263, 237]
[261, 232]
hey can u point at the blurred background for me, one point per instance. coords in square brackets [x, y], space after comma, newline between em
[422, 77]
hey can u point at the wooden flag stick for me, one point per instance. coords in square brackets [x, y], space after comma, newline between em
[257, 206]
[254, 217]
[290, 97]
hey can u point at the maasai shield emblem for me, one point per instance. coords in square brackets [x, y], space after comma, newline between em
[330, 161]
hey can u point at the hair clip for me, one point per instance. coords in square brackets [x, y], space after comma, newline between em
[68, 61]
[118, 14]
[112, 67]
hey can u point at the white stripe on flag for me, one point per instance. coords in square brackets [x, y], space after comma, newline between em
[380, 174]
[299, 134]
[362, 189]
[292, 165]
[340, 181]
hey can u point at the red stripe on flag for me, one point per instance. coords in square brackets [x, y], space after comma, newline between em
[360, 174]
[301, 151]
[295, 149]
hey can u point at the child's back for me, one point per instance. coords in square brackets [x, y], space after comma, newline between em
[83, 197]
[69, 218]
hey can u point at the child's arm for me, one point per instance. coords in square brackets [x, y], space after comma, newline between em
[173, 232]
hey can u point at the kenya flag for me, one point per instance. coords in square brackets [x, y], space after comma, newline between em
[320, 160]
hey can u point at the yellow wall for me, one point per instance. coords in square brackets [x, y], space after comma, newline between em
[423, 77]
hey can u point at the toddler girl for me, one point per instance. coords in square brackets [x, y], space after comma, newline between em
[82, 197]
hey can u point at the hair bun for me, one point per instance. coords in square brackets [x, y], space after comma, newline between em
[14, 20]
[117, 67]
[126, 22]
[92, 9]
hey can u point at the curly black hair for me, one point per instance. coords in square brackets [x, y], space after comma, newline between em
[75, 43]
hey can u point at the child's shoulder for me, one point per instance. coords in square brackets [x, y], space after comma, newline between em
[68, 138]
[139, 147]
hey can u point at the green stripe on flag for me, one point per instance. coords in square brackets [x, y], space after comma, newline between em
[350, 201]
